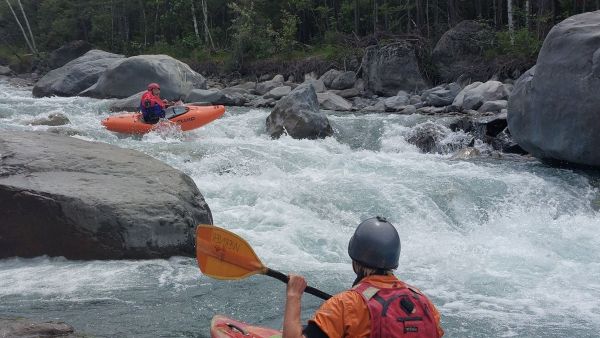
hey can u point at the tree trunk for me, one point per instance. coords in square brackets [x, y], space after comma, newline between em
[500, 14]
[375, 14]
[112, 25]
[545, 17]
[419, 15]
[511, 25]
[479, 9]
[22, 29]
[206, 30]
[156, 22]
[145, 23]
[195, 21]
[527, 14]
[495, 13]
[408, 18]
[452, 13]
[427, 16]
[28, 27]
[436, 15]
[356, 17]
[386, 16]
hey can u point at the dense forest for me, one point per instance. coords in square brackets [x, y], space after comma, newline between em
[236, 33]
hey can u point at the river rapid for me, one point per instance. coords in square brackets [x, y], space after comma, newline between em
[504, 247]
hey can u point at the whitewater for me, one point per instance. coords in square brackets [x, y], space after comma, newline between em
[504, 246]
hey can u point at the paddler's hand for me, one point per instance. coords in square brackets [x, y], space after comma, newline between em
[293, 306]
[295, 286]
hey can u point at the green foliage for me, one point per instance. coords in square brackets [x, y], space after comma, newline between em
[249, 30]
[526, 44]
[285, 39]
[249, 39]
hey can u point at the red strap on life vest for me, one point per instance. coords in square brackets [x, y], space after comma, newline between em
[398, 312]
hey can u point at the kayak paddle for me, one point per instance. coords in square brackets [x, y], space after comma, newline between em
[221, 254]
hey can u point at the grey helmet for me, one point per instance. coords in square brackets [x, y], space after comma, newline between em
[375, 244]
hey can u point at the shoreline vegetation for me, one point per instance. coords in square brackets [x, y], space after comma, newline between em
[251, 38]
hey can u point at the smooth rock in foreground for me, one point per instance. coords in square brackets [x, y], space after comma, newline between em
[62, 196]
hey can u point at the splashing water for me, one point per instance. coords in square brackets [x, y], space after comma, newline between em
[504, 247]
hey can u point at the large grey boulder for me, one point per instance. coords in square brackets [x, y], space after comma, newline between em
[133, 74]
[460, 51]
[63, 196]
[391, 68]
[68, 52]
[76, 75]
[553, 112]
[299, 116]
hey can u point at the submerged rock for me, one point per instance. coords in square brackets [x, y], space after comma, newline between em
[63, 196]
[54, 119]
[299, 116]
[21, 327]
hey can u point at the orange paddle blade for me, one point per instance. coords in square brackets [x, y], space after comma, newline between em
[221, 254]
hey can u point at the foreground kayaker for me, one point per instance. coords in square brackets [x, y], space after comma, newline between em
[378, 305]
[151, 105]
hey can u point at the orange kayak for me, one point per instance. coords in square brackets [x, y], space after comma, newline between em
[187, 117]
[223, 327]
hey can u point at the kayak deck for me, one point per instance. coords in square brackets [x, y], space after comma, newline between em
[223, 327]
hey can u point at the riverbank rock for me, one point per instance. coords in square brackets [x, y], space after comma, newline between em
[476, 94]
[131, 103]
[442, 95]
[460, 51]
[133, 74]
[391, 68]
[554, 113]
[331, 101]
[339, 80]
[63, 196]
[6, 71]
[76, 76]
[298, 115]
[70, 51]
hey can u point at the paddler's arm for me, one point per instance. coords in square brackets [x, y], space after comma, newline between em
[293, 303]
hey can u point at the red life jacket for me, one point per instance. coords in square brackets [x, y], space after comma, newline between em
[149, 100]
[398, 312]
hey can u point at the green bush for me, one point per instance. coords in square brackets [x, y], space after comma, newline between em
[526, 44]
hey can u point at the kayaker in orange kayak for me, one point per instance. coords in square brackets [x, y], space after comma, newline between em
[378, 305]
[151, 105]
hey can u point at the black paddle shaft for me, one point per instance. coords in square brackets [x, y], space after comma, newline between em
[309, 289]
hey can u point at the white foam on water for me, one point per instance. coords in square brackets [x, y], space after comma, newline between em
[508, 245]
